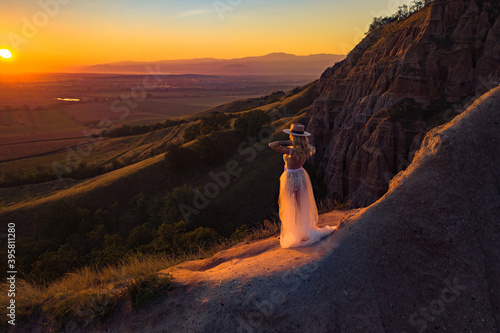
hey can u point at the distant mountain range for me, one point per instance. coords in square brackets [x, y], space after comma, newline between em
[271, 64]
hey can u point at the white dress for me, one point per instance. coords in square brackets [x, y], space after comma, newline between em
[298, 211]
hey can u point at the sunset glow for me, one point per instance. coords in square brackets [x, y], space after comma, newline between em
[61, 36]
[250, 165]
[5, 54]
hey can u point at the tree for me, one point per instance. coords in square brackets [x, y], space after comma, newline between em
[59, 220]
[192, 132]
[52, 265]
[167, 236]
[178, 158]
[140, 207]
[416, 6]
[250, 123]
[275, 96]
[402, 13]
[295, 91]
[140, 235]
[216, 121]
[169, 211]
[216, 147]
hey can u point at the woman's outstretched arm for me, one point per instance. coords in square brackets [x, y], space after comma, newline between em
[281, 146]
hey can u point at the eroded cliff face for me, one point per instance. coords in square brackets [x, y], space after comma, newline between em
[400, 81]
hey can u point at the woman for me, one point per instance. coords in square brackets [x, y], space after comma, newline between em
[297, 208]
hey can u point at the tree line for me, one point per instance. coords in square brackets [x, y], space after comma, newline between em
[402, 13]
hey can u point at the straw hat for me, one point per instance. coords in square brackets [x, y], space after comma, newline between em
[297, 130]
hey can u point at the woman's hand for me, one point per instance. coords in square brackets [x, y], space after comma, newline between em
[285, 143]
[280, 146]
[276, 144]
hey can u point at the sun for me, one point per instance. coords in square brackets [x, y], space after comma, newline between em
[6, 54]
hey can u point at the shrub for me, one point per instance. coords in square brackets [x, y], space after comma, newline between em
[147, 289]
[139, 236]
[240, 233]
[201, 238]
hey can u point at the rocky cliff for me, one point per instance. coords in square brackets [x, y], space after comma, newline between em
[400, 81]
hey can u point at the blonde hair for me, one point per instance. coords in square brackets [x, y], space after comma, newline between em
[301, 147]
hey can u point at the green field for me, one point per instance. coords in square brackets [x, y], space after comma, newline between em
[29, 122]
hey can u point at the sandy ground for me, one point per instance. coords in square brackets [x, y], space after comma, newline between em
[248, 260]
[243, 276]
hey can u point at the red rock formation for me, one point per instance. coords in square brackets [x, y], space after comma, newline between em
[448, 52]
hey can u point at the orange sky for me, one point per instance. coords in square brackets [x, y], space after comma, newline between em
[71, 33]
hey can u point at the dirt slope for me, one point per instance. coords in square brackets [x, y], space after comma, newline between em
[422, 258]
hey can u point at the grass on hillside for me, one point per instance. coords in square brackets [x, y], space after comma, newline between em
[104, 155]
[88, 295]
[89, 185]
[294, 104]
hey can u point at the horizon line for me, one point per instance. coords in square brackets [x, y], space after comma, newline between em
[213, 58]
